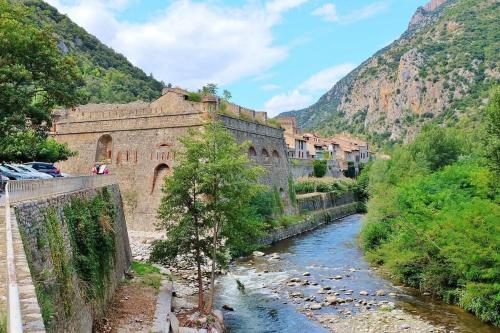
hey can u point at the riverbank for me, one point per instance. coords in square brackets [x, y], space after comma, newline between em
[320, 282]
[310, 222]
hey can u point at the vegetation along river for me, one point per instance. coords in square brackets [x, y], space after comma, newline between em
[269, 302]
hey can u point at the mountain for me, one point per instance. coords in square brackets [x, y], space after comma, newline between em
[109, 77]
[438, 70]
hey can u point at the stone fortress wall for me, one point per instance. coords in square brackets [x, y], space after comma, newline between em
[138, 141]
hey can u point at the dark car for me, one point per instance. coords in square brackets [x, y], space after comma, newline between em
[44, 167]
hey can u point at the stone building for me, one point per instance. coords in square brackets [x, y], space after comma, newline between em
[138, 140]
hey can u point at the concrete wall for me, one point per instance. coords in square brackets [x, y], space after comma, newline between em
[30, 217]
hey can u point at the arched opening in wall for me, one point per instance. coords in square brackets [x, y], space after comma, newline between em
[276, 154]
[265, 155]
[282, 193]
[252, 154]
[161, 171]
[104, 149]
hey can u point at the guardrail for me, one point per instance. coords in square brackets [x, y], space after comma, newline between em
[25, 190]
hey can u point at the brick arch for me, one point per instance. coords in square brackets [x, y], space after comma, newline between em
[160, 172]
[104, 148]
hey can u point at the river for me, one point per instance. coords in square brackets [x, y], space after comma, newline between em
[265, 304]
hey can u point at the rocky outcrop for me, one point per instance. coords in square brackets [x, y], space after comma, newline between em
[426, 75]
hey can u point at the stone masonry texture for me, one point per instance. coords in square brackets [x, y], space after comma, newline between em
[30, 216]
[138, 142]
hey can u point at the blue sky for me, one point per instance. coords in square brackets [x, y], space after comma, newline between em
[273, 55]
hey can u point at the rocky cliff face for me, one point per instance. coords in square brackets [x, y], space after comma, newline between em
[437, 70]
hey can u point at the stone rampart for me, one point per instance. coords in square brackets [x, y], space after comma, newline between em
[267, 148]
[138, 141]
[69, 303]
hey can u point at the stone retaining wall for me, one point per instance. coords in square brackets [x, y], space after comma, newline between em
[304, 168]
[311, 222]
[31, 217]
[319, 201]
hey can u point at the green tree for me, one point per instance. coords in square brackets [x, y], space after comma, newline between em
[492, 120]
[181, 212]
[319, 168]
[351, 170]
[35, 77]
[30, 146]
[209, 89]
[436, 147]
[226, 95]
[229, 183]
[207, 207]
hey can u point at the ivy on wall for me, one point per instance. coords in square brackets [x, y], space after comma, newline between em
[86, 265]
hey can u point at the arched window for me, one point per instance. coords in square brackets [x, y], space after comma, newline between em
[264, 152]
[104, 149]
[160, 172]
[276, 154]
[252, 152]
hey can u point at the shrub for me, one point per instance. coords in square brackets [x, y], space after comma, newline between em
[194, 97]
[319, 168]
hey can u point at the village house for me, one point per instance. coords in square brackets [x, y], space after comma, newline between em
[338, 150]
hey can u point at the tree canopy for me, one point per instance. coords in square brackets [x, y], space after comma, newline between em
[35, 77]
[207, 209]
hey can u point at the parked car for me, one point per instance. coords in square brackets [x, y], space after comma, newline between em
[44, 167]
[13, 174]
[3, 182]
[30, 171]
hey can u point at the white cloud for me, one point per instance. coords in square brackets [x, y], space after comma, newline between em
[190, 43]
[292, 100]
[270, 87]
[304, 93]
[329, 13]
[278, 6]
[326, 78]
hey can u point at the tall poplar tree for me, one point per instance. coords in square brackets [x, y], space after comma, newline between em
[206, 210]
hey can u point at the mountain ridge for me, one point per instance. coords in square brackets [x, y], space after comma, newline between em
[447, 56]
[108, 75]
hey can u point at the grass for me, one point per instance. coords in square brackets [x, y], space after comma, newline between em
[148, 274]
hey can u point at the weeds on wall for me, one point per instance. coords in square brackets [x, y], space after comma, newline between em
[91, 227]
[62, 268]
[291, 191]
[3, 322]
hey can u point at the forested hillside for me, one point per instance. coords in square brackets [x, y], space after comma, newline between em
[108, 76]
[433, 214]
[440, 69]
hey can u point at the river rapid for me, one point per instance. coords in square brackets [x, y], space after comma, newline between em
[331, 262]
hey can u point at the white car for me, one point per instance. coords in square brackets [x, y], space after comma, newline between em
[29, 170]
